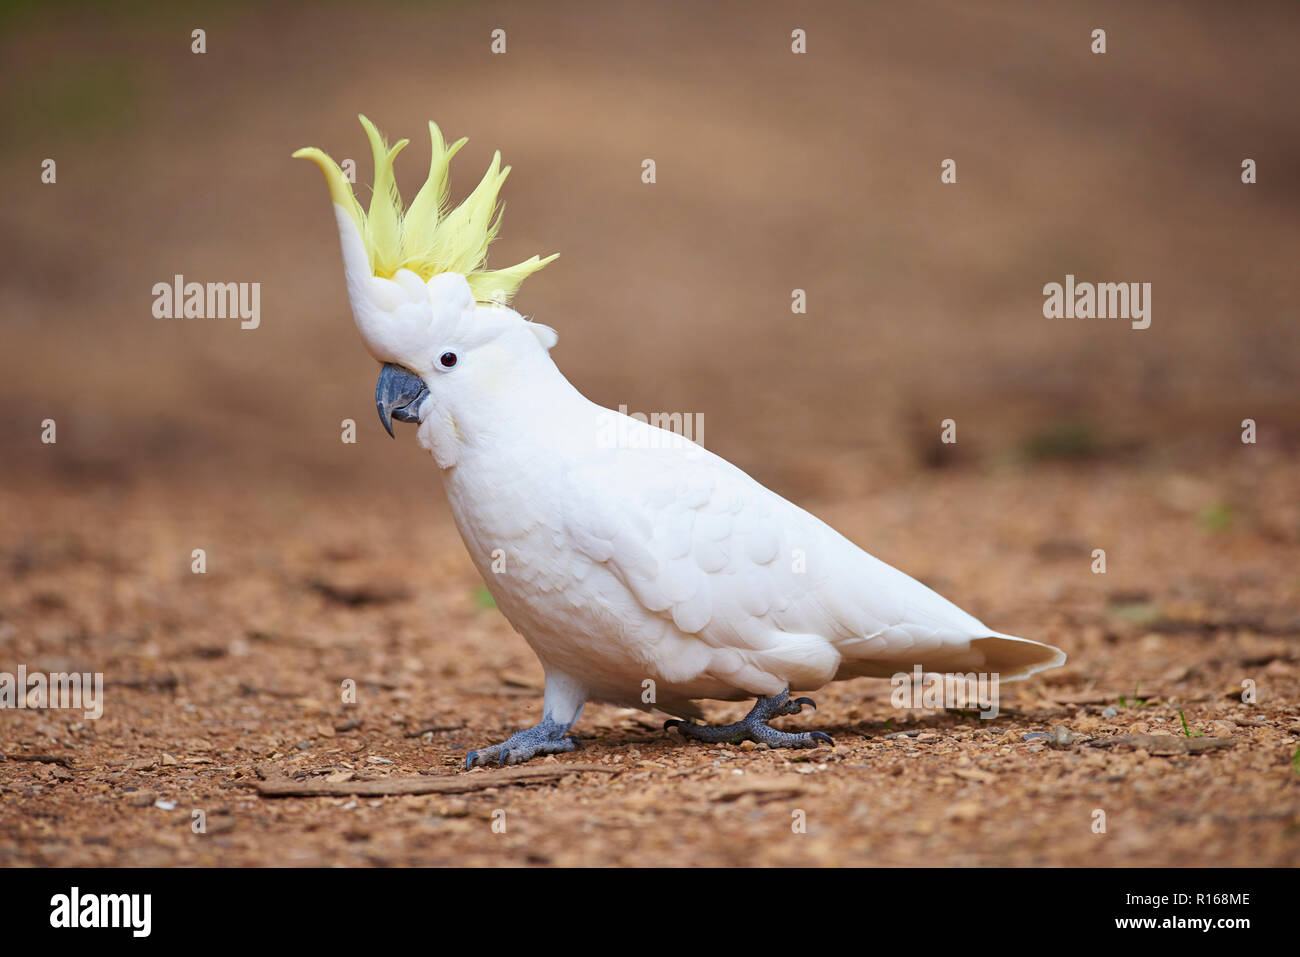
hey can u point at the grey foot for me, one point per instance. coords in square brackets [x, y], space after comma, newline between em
[545, 738]
[753, 726]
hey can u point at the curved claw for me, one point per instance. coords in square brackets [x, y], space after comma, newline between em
[808, 701]
[672, 723]
[469, 759]
[822, 736]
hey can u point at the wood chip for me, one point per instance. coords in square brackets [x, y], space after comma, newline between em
[762, 788]
[1163, 743]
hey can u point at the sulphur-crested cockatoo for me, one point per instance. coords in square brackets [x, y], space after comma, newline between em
[642, 569]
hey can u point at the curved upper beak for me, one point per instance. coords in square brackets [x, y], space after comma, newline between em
[398, 395]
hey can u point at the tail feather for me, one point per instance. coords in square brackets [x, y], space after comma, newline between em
[1010, 657]
[1016, 658]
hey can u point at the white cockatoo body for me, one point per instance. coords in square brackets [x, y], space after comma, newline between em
[641, 568]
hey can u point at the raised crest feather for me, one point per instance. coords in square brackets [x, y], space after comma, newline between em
[428, 238]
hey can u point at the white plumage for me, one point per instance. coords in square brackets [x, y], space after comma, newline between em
[638, 566]
[656, 559]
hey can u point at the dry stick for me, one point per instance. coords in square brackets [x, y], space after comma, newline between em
[275, 784]
[40, 759]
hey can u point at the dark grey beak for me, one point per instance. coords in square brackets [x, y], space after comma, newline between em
[398, 395]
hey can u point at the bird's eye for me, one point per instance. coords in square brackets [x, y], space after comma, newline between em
[448, 359]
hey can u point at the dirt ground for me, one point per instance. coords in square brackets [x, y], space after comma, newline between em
[212, 676]
[331, 563]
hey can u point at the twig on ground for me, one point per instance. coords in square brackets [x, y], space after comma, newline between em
[274, 783]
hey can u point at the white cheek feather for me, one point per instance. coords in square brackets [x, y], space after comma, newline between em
[439, 436]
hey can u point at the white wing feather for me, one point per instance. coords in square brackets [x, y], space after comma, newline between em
[759, 595]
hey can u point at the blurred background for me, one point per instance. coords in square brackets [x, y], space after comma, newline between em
[775, 172]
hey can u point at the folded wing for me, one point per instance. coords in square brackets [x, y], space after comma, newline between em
[760, 594]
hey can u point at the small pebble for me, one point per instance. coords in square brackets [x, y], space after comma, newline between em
[1062, 735]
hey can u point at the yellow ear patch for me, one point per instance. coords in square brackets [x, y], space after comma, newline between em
[427, 238]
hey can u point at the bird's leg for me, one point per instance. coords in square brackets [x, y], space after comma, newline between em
[561, 709]
[545, 738]
[753, 726]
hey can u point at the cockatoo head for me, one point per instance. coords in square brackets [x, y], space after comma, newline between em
[424, 301]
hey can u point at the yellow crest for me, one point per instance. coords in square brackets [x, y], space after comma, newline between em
[428, 238]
